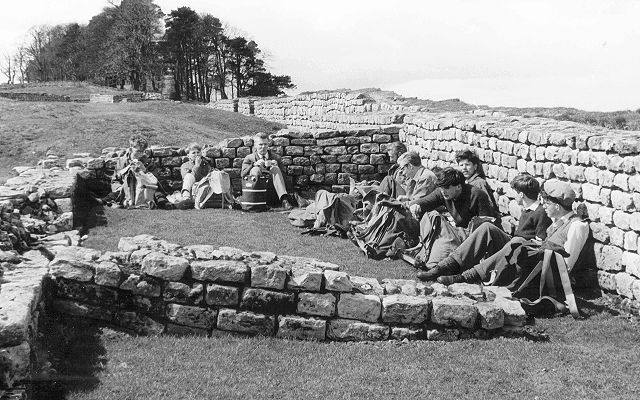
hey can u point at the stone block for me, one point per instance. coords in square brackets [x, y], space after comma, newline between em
[491, 315]
[631, 261]
[337, 281]
[177, 292]
[71, 268]
[197, 317]
[320, 304]
[407, 333]
[443, 335]
[139, 323]
[624, 282]
[403, 309]
[607, 281]
[182, 330]
[220, 295]
[448, 311]
[367, 285]
[165, 267]
[108, 274]
[246, 322]
[267, 301]
[363, 307]
[219, 271]
[268, 276]
[460, 289]
[295, 327]
[630, 241]
[514, 314]
[201, 251]
[78, 309]
[609, 258]
[400, 286]
[305, 278]
[622, 201]
[136, 285]
[349, 330]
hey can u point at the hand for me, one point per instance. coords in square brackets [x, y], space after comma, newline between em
[259, 163]
[415, 210]
[197, 161]
[403, 197]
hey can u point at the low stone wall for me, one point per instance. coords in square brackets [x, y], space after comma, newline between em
[150, 286]
[34, 96]
[117, 98]
[319, 158]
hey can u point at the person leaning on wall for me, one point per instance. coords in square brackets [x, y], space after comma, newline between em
[474, 258]
[265, 162]
[391, 184]
[193, 170]
[471, 167]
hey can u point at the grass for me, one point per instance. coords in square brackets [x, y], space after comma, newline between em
[28, 131]
[593, 358]
[269, 231]
[590, 359]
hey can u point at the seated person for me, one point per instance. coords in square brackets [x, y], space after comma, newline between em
[488, 239]
[464, 203]
[133, 177]
[193, 170]
[264, 161]
[567, 235]
[471, 167]
[390, 226]
[392, 183]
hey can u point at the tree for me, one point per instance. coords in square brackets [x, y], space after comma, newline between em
[265, 84]
[8, 68]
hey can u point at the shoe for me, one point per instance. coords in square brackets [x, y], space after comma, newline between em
[438, 270]
[286, 205]
[451, 279]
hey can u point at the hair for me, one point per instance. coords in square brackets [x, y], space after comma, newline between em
[526, 184]
[193, 146]
[411, 157]
[261, 136]
[472, 157]
[449, 177]
[397, 148]
[552, 199]
[138, 142]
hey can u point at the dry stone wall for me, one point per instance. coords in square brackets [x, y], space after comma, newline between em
[603, 165]
[319, 158]
[151, 286]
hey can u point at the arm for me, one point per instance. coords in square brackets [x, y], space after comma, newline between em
[483, 205]
[185, 168]
[576, 238]
[247, 164]
[423, 187]
[542, 224]
[428, 203]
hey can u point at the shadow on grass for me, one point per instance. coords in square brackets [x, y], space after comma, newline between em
[69, 356]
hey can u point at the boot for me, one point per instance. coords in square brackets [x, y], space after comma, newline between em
[448, 266]
[451, 279]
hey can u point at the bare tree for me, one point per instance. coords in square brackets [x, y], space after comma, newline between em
[8, 68]
[21, 61]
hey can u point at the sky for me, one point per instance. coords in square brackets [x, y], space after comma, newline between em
[522, 53]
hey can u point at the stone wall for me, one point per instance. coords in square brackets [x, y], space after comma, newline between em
[35, 96]
[321, 158]
[150, 286]
[603, 165]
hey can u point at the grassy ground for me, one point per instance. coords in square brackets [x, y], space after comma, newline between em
[593, 358]
[29, 130]
[79, 91]
[248, 231]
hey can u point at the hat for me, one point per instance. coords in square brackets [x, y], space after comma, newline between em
[560, 191]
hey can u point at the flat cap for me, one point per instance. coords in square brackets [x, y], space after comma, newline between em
[560, 191]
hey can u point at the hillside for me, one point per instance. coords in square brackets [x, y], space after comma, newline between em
[28, 130]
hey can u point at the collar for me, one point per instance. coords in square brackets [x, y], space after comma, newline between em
[533, 206]
[417, 174]
[260, 156]
[564, 218]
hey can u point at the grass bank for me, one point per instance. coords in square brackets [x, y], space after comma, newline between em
[28, 130]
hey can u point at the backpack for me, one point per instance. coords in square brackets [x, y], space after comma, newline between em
[213, 191]
[139, 189]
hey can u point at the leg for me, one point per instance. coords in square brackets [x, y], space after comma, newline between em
[187, 184]
[278, 182]
[481, 243]
[485, 268]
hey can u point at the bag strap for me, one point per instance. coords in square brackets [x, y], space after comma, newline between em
[570, 299]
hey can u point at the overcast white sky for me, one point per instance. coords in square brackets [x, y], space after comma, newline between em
[575, 53]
